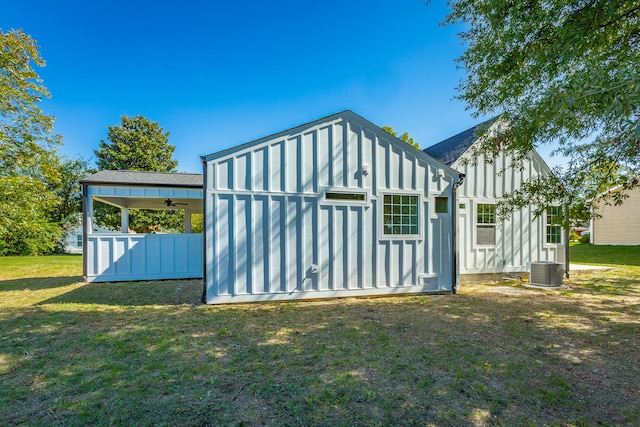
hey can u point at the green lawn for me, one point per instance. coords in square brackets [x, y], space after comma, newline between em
[605, 255]
[148, 353]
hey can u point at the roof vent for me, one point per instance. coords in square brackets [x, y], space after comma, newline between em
[546, 273]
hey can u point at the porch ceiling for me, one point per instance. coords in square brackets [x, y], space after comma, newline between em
[190, 204]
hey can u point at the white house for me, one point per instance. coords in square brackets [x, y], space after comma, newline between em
[336, 207]
[73, 238]
[487, 246]
[617, 225]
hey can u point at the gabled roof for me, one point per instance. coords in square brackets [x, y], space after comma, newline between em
[140, 178]
[451, 149]
[346, 114]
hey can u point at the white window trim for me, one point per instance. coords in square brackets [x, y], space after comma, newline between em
[423, 209]
[544, 228]
[474, 219]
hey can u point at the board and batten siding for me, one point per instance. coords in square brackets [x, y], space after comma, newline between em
[112, 257]
[271, 233]
[520, 239]
[617, 225]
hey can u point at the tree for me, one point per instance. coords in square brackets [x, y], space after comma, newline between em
[136, 144]
[404, 137]
[28, 157]
[68, 189]
[27, 140]
[25, 226]
[564, 72]
[142, 145]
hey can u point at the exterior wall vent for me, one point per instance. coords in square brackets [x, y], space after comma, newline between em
[546, 273]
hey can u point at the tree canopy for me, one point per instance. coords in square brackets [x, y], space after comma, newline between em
[565, 72]
[25, 224]
[27, 140]
[136, 144]
[404, 137]
[142, 145]
[31, 173]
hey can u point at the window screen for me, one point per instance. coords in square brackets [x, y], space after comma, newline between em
[400, 214]
[486, 224]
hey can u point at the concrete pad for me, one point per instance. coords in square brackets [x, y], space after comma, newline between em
[584, 267]
[511, 291]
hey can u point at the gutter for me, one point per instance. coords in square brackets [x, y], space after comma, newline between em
[454, 234]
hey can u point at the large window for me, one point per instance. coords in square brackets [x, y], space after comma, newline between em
[486, 224]
[400, 214]
[554, 224]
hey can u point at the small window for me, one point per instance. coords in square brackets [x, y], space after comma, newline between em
[360, 197]
[79, 241]
[442, 205]
[400, 214]
[486, 224]
[554, 224]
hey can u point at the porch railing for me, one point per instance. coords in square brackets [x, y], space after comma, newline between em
[124, 257]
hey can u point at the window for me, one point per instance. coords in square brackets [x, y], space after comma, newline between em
[554, 224]
[345, 196]
[79, 241]
[442, 205]
[486, 224]
[400, 214]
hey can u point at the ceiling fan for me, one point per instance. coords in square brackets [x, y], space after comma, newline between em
[170, 203]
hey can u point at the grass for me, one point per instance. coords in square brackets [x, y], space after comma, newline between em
[147, 353]
[605, 254]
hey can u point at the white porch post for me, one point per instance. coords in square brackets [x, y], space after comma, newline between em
[124, 220]
[187, 221]
[88, 218]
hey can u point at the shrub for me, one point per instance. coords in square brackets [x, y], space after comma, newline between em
[585, 238]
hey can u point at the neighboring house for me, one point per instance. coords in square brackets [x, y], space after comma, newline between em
[336, 207]
[617, 225]
[73, 241]
[485, 245]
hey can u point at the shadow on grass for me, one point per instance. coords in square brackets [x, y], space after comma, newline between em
[160, 292]
[458, 360]
[604, 283]
[38, 283]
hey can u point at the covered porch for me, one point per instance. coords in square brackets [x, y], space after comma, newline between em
[123, 255]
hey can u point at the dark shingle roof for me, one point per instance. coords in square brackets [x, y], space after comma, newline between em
[155, 179]
[450, 150]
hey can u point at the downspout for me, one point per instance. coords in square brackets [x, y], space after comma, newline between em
[454, 234]
[204, 230]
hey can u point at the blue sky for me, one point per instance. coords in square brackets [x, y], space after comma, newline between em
[217, 74]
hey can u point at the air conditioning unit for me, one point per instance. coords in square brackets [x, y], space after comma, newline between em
[546, 273]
